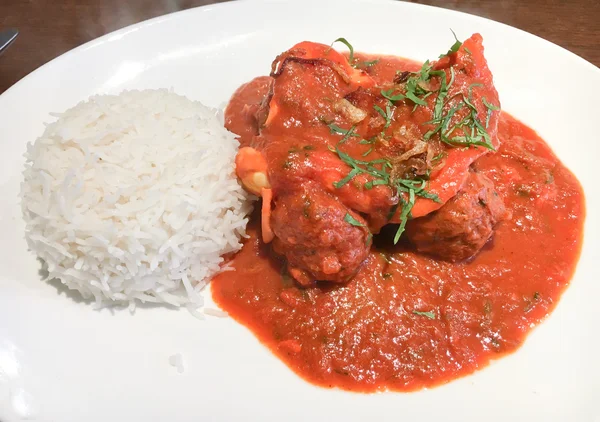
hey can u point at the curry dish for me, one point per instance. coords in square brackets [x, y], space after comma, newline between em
[409, 230]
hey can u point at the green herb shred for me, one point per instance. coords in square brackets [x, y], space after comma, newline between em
[454, 47]
[389, 94]
[379, 170]
[367, 63]
[490, 109]
[429, 314]
[352, 221]
[335, 129]
[386, 114]
[347, 44]
[417, 88]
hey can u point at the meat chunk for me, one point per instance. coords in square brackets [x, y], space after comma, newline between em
[362, 141]
[321, 238]
[459, 229]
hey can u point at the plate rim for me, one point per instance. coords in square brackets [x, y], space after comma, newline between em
[121, 32]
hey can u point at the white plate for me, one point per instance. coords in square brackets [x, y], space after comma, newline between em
[71, 363]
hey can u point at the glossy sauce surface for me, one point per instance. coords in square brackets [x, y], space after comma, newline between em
[408, 321]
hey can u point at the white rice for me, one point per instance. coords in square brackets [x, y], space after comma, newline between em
[134, 198]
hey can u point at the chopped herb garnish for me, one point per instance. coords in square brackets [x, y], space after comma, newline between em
[359, 166]
[406, 209]
[442, 93]
[412, 188]
[367, 63]
[430, 314]
[387, 114]
[389, 94]
[347, 44]
[490, 109]
[386, 275]
[438, 157]
[354, 62]
[379, 169]
[417, 88]
[335, 129]
[423, 99]
[346, 179]
[454, 47]
[488, 116]
[353, 221]
[474, 134]
[413, 97]
[308, 147]
[379, 182]
[488, 105]
[416, 85]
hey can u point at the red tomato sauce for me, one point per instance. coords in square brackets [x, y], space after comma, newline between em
[407, 321]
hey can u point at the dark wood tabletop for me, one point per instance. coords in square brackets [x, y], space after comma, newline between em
[48, 28]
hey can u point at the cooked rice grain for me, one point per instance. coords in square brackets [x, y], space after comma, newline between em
[134, 197]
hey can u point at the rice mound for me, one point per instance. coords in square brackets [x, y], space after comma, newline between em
[134, 197]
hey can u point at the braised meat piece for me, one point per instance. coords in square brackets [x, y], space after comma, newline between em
[459, 229]
[366, 149]
[321, 238]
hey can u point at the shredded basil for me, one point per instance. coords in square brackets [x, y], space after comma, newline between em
[353, 221]
[454, 47]
[347, 44]
[387, 114]
[429, 314]
[390, 95]
[416, 89]
[366, 64]
[335, 129]
[367, 152]
[415, 84]
[379, 170]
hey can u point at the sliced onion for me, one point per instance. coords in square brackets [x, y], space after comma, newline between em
[350, 111]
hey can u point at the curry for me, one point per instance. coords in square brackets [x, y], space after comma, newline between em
[409, 232]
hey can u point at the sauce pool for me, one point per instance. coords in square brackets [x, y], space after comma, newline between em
[407, 321]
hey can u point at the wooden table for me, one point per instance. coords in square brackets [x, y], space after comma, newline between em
[51, 27]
